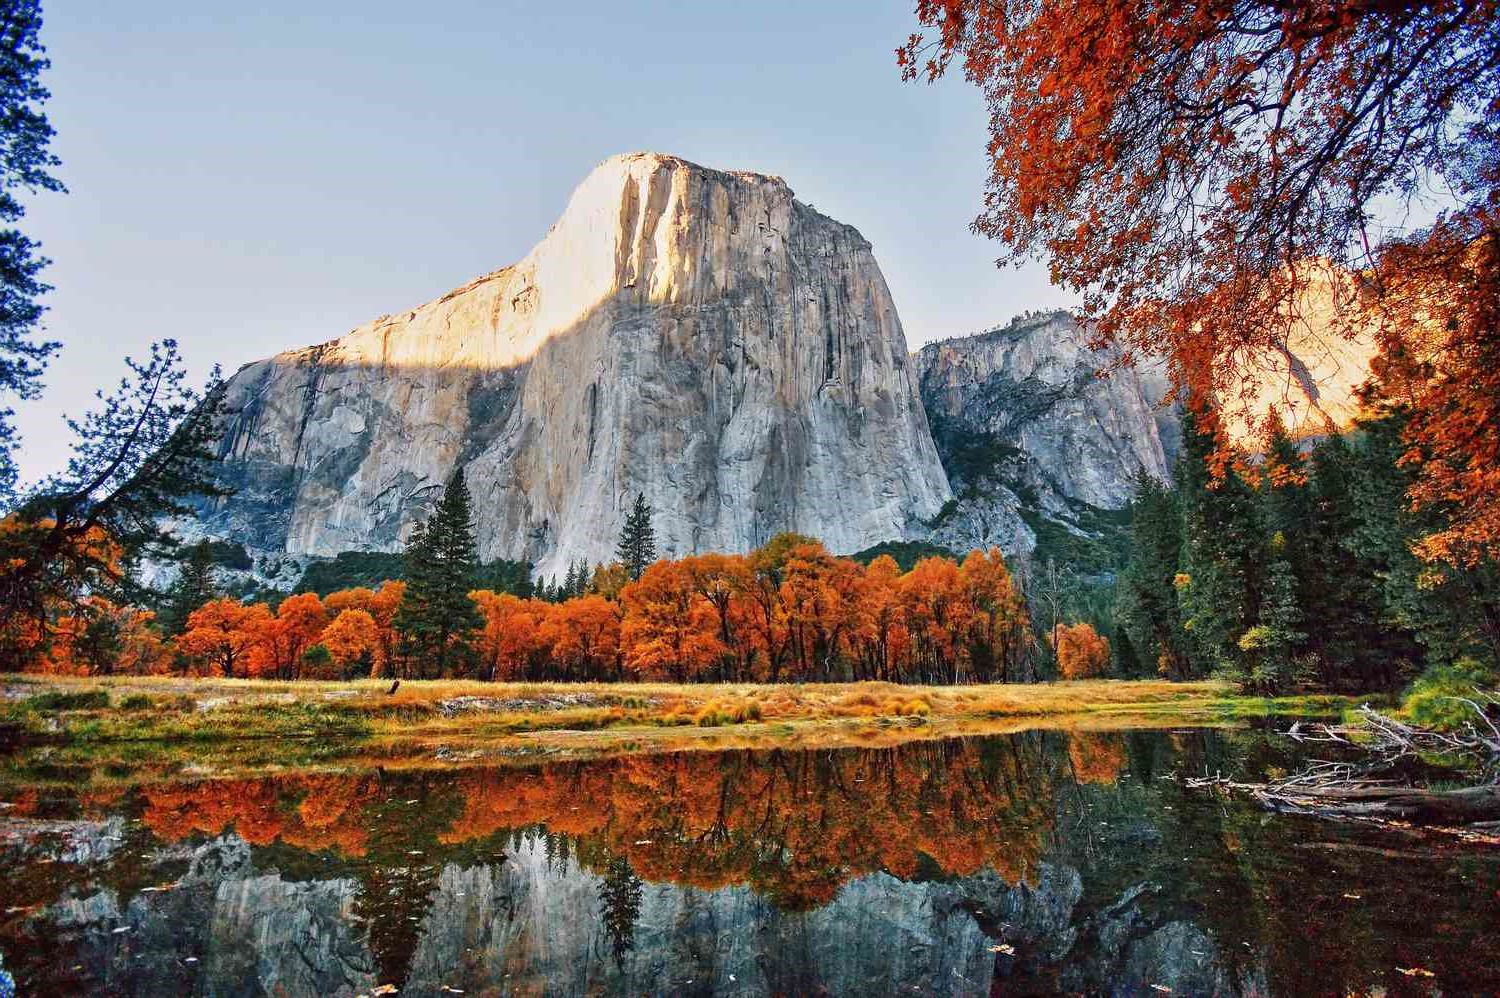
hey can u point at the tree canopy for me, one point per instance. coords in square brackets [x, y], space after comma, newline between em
[1184, 166]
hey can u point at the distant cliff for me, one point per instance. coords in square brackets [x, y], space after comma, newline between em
[1031, 429]
[695, 335]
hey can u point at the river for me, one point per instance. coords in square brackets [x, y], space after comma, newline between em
[1025, 864]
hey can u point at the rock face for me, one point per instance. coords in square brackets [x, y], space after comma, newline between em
[1029, 432]
[1033, 387]
[694, 335]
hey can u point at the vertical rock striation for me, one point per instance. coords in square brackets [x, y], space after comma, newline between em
[696, 335]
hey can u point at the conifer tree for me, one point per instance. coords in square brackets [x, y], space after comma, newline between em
[1339, 589]
[193, 587]
[1148, 616]
[620, 901]
[437, 618]
[26, 162]
[637, 547]
[1222, 552]
[1270, 646]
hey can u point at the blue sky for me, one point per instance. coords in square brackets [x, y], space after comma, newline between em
[253, 180]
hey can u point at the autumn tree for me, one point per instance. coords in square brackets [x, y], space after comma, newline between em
[353, 643]
[637, 546]
[299, 621]
[1180, 164]
[226, 635]
[437, 618]
[1081, 652]
[99, 638]
[582, 636]
[510, 643]
[668, 631]
[1000, 628]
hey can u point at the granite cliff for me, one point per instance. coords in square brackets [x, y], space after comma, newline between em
[1031, 429]
[698, 336]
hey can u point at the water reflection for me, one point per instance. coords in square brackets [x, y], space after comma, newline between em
[1027, 864]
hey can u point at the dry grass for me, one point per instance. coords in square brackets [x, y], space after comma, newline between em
[452, 707]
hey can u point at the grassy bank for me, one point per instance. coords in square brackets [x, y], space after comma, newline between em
[64, 729]
[65, 710]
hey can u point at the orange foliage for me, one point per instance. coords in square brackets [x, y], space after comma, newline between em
[1179, 165]
[299, 620]
[510, 646]
[788, 611]
[669, 633]
[352, 639]
[100, 638]
[583, 638]
[1081, 652]
[226, 635]
[1096, 758]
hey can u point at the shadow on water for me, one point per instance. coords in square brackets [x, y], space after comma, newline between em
[1035, 863]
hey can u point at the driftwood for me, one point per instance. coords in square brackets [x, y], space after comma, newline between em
[1357, 791]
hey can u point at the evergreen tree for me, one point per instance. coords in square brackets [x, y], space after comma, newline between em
[1452, 613]
[637, 547]
[1222, 553]
[620, 901]
[1339, 583]
[1270, 646]
[193, 587]
[437, 618]
[1148, 618]
[570, 582]
[25, 164]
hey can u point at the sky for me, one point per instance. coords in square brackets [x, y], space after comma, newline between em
[249, 178]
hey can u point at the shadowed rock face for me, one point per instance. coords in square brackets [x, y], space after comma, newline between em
[1034, 386]
[696, 335]
[532, 924]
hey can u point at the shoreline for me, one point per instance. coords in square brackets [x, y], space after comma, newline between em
[256, 723]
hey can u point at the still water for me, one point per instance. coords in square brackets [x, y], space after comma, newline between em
[1029, 864]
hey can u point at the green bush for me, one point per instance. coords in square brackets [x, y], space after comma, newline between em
[136, 701]
[1432, 702]
[84, 700]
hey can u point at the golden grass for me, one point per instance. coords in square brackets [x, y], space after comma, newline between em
[243, 726]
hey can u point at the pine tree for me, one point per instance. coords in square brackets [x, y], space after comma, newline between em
[637, 547]
[1223, 553]
[1147, 611]
[193, 587]
[437, 618]
[25, 137]
[1271, 645]
[570, 582]
[620, 901]
[1340, 583]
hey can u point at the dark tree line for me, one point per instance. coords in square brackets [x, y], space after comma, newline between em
[1297, 571]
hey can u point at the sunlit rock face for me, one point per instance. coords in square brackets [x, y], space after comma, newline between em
[695, 335]
[1311, 377]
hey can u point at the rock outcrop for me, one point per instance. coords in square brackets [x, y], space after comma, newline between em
[1029, 430]
[1034, 391]
[698, 336]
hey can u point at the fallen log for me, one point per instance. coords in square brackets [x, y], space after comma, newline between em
[1466, 806]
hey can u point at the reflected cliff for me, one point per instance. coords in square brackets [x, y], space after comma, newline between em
[1030, 864]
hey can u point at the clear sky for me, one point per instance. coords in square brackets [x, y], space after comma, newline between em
[248, 178]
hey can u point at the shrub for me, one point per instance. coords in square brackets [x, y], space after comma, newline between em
[136, 701]
[84, 700]
[1432, 702]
